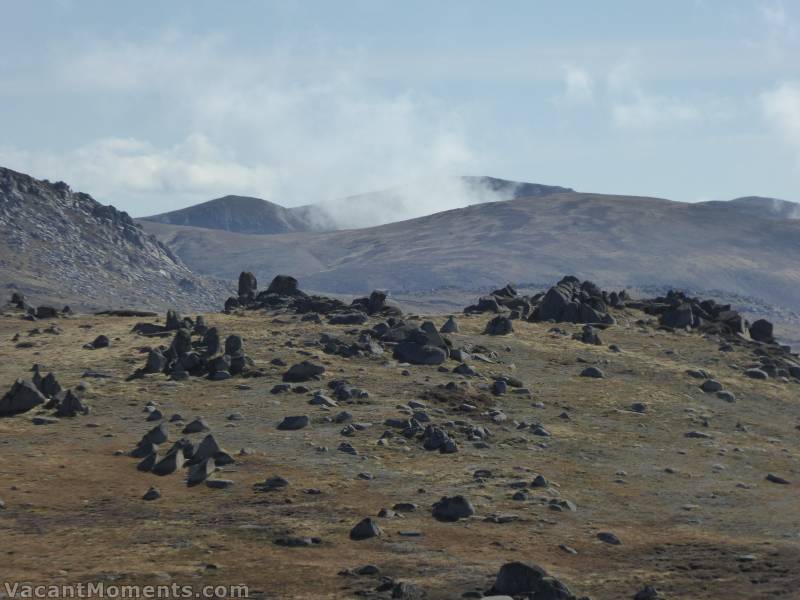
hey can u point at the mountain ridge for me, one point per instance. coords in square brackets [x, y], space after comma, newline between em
[61, 245]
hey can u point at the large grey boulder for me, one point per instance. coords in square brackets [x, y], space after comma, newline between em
[304, 371]
[679, 317]
[417, 354]
[452, 508]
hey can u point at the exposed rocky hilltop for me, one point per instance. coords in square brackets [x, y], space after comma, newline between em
[61, 245]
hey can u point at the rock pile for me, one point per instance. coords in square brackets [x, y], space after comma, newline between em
[677, 310]
[504, 300]
[201, 459]
[41, 391]
[283, 293]
[573, 301]
[205, 356]
[570, 301]
[35, 313]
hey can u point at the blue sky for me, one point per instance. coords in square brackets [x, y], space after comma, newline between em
[152, 106]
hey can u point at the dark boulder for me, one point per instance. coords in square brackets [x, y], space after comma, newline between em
[418, 354]
[679, 317]
[248, 287]
[500, 325]
[529, 580]
[283, 285]
[452, 508]
[174, 320]
[71, 406]
[365, 529]
[762, 331]
[22, 397]
[304, 371]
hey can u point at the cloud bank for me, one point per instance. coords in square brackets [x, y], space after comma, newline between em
[287, 126]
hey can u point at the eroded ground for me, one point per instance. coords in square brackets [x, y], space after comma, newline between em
[696, 517]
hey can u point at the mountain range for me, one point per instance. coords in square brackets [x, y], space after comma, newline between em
[60, 244]
[242, 214]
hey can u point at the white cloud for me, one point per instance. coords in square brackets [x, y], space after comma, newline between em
[578, 86]
[645, 111]
[781, 108]
[290, 126]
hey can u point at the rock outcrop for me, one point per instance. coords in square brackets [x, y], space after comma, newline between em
[60, 244]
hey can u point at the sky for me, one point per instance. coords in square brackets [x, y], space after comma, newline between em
[152, 106]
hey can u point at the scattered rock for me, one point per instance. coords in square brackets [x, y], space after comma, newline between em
[451, 509]
[365, 529]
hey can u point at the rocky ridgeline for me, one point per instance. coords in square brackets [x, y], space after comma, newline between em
[44, 392]
[54, 239]
[203, 355]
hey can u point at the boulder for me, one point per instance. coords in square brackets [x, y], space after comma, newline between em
[248, 287]
[293, 423]
[22, 397]
[418, 354]
[529, 580]
[679, 317]
[762, 331]
[71, 406]
[304, 371]
[283, 285]
[365, 529]
[500, 325]
[453, 508]
[174, 320]
[450, 326]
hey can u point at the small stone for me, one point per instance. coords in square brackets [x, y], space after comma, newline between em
[711, 386]
[219, 484]
[777, 479]
[592, 372]
[197, 426]
[294, 423]
[152, 494]
[608, 538]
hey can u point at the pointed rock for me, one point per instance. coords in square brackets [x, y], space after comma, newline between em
[365, 529]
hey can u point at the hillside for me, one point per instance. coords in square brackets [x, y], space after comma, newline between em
[419, 198]
[624, 241]
[61, 246]
[759, 206]
[637, 478]
[240, 214]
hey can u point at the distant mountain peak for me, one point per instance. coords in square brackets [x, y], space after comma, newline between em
[761, 206]
[418, 198]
